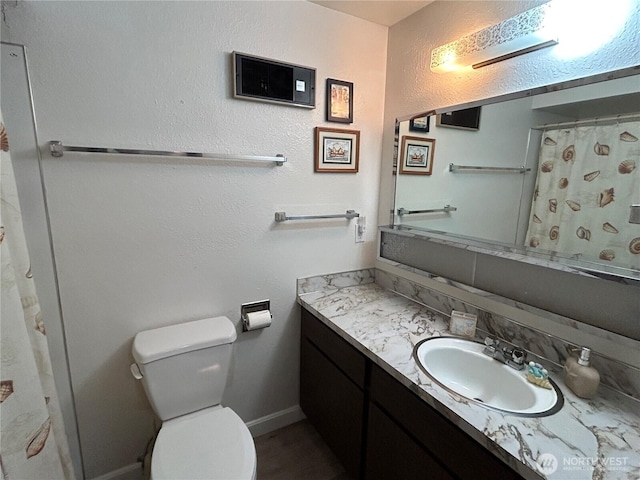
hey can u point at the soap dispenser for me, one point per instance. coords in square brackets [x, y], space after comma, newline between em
[579, 376]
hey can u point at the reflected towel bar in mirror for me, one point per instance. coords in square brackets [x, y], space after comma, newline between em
[446, 208]
[457, 168]
[57, 150]
[282, 216]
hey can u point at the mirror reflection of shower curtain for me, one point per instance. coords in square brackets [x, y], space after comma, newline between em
[32, 434]
[588, 177]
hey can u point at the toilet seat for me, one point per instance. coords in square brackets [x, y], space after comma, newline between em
[213, 443]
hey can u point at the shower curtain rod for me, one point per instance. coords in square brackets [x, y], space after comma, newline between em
[591, 120]
[57, 150]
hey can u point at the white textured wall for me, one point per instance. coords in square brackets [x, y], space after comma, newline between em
[412, 87]
[143, 242]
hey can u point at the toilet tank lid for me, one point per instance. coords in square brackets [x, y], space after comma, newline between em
[151, 345]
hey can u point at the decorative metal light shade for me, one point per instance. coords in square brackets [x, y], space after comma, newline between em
[524, 33]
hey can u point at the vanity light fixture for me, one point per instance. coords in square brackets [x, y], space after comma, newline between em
[524, 33]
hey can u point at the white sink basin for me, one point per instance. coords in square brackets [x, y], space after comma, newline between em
[459, 366]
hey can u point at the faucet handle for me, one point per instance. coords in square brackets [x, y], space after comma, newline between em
[491, 342]
[491, 346]
[518, 356]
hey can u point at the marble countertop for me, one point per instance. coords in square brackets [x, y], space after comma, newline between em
[588, 439]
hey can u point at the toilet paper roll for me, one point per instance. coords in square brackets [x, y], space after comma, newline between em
[256, 320]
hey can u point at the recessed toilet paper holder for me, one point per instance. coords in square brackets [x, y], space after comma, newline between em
[258, 306]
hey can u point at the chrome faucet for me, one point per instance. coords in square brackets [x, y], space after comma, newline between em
[513, 357]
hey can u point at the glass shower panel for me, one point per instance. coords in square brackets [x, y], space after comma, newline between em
[19, 119]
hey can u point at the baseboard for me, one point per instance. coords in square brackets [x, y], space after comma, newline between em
[130, 472]
[276, 420]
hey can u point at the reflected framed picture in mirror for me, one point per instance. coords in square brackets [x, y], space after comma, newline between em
[417, 155]
[420, 124]
[465, 119]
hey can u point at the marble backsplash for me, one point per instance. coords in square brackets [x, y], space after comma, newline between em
[336, 280]
[541, 346]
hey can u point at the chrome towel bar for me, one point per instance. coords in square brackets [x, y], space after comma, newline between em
[446, 208]
[282, 216]
[456, 168]
[57, 150]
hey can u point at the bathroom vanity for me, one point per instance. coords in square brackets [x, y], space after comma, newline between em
[383, 418]
[377, 426]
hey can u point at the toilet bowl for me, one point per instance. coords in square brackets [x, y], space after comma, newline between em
[210, 444]
[183, 369]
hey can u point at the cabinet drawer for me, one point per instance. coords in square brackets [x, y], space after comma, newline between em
[462, 455]
[351, 362]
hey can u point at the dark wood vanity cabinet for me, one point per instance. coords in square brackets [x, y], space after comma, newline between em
[460, 455]
[376, 426]
[392, 453]
[332, 383]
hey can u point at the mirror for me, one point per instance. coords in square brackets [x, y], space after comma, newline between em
[471, 172]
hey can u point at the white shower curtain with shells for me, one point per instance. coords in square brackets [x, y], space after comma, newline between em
[588, 177]
[32, 439]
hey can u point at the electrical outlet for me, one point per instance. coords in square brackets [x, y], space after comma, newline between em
[360, 227]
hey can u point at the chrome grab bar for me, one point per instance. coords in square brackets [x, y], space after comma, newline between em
[455, 168]
[57, 149]
[282, 216]
[446, 208]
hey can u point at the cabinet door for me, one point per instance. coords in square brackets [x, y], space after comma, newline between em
[392, 454]
[333, 404]
[461, 455]
[349, 360]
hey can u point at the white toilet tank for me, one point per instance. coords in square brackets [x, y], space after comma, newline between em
[184, 367]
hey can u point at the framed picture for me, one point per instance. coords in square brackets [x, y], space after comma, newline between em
[339, 101]
[420, 124]
[337, 150]
[417, 155]
[466, 119]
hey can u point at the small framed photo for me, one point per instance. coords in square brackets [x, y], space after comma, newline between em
[417, 155]
[337, 150]
[420, 124]
[339, 101]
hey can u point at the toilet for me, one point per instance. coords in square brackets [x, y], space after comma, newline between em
[184, 369]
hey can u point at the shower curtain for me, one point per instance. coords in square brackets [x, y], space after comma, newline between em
[32, 439]
[588, 177]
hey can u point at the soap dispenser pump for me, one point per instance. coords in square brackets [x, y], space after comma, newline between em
[579, 376]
